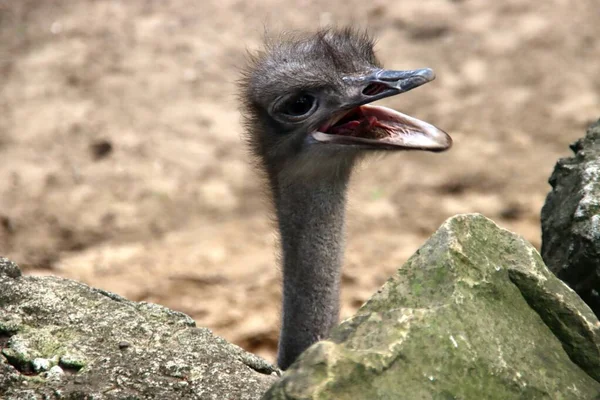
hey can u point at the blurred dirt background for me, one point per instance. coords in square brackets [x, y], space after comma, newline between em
[122, 163]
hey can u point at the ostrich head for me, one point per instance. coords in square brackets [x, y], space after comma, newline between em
[307, 109]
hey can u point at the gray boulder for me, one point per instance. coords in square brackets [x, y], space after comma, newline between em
[571, 219]
[474, 314]
[60, 339]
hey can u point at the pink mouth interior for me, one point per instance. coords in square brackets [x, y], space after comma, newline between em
[361, 122]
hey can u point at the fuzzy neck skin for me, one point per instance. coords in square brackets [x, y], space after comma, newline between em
[311, 222]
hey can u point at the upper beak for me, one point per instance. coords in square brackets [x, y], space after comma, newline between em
[403, 81]
[384, 83]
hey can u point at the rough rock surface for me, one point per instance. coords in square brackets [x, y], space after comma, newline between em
[571, 219]
[60, 339]
[474, 314]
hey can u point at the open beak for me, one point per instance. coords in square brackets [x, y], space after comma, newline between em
[380, 127]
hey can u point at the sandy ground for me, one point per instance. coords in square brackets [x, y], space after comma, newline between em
[122, 163]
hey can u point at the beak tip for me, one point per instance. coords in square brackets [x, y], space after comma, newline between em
[417, 78]
[449, 142]
[428, 74]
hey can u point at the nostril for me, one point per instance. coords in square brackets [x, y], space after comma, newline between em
[374, 89]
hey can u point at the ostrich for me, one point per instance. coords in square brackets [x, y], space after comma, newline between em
[308, 120]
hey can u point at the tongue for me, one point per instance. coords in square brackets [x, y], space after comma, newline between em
[360, 127]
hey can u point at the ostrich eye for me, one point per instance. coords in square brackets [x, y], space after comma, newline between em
[299, 106]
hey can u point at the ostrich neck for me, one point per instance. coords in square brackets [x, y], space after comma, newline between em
[311, 223]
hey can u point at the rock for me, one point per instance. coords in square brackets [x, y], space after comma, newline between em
[474, 314]
[571, 219]
[9, 268]
[101, 149]
[60, 339]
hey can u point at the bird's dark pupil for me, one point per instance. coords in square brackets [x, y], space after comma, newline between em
[300, 106]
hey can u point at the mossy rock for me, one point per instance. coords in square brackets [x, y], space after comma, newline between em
[474, 314]
[61, 339]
